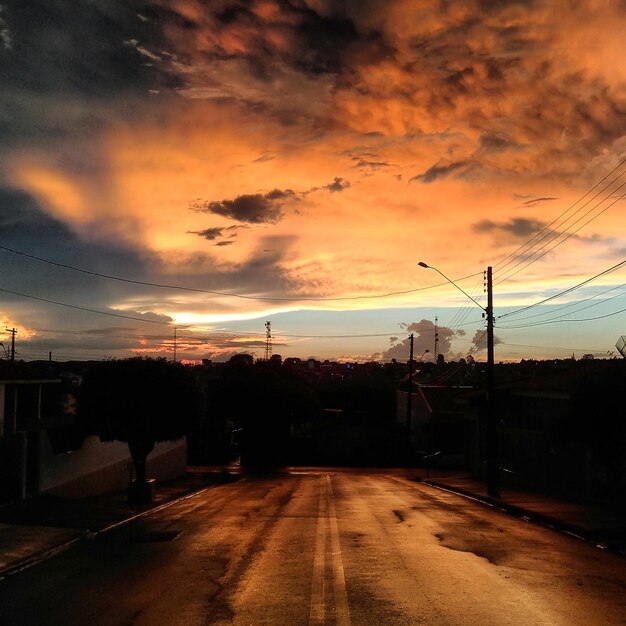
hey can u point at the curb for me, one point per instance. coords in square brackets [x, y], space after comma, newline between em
[583, 534]
[39, 557]
[24, 564]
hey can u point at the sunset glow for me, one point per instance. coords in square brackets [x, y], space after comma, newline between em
[237, 162]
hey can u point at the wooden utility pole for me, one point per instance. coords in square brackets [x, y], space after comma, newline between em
[493, 471]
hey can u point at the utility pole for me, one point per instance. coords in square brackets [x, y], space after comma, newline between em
[493, 471]
[13, 332]
[436, 339]
[175, 342]
[409, 404]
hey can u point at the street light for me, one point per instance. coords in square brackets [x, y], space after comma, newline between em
[493, 476]
[430, 267]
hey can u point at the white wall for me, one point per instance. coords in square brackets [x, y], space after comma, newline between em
[100, 467]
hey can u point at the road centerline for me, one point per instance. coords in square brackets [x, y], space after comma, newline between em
[317, 609]
[342, 609]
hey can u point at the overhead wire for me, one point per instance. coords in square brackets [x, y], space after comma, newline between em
[221, 293]
[458, 318]
[562, 241]
[564, 316]
[560, 320]
[524, 345]
[86, 309]
[565, 291]
[521, 250]
[578, 302]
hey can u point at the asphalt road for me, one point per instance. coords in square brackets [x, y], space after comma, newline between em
[315, 549]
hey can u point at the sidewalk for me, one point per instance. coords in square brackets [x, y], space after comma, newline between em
[601, 525]
[33, 529]
[38, 527]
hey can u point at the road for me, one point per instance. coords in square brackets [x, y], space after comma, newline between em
[320, 548]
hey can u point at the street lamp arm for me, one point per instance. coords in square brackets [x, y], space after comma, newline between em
[493, 471]
[422, 264]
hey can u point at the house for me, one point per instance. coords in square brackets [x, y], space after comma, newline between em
[560, 427]
[437, 421]
[44, 450]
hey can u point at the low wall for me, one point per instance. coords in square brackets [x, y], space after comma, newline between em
[101, 467]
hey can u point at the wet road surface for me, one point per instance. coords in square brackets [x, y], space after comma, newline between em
[318, 548]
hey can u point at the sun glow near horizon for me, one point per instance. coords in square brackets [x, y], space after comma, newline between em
[306, 156]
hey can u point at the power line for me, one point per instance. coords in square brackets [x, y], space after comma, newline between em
[563, 316]
[545, 228]
[221, 293]
[579, 302]
[571, 234]
[561, 321]
[82, 308]
[523, 345]
[566, 291]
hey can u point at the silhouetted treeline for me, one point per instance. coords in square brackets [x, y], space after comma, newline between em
[560, 422]
[274, 414]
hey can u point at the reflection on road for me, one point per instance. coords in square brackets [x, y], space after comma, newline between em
[323, 548]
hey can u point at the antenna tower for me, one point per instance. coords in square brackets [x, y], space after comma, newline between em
[268, 340]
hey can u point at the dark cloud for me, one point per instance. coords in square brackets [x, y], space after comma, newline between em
[264, 158]
[221, 244]
[250, 208]
[258, 208]
[536, 201]
[365, 164]
[6, 41]
[211, 234]
[338, 184]
[496, 142]
[521, 227]
[475, 70]
[439, 171]
[318, 43]
[67, 70]
[323, 43]
[26, 227]
[499, 5]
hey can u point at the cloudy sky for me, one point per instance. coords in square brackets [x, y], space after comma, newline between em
[182, 171]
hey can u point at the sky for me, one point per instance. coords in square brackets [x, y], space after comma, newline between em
[176, 173]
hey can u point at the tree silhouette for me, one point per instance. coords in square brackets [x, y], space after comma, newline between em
[140, 401]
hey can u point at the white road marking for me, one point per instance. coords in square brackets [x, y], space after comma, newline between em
[342, 610]
[316, 614]
[327, 526]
